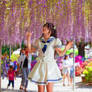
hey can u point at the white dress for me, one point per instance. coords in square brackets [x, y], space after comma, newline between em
[66, 66]
[46, 70]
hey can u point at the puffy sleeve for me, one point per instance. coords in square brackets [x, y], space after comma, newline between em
[58, 43]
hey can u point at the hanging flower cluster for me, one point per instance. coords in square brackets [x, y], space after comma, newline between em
[72, 18]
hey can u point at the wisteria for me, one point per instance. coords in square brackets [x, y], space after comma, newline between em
[72, 18]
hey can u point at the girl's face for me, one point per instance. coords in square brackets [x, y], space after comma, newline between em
[46, 32]
[71, 55]
[11, 69]
[67, 57]
[23, 51]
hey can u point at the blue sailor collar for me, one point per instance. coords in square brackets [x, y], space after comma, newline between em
[48, 41]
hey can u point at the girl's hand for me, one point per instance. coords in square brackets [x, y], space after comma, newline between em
[58, 50]
[69, 45]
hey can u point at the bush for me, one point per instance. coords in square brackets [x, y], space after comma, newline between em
[88, 74]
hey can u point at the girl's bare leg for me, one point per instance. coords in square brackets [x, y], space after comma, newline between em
[64, 76]
[71, 81]
[49, 87]
[41, 88]
[68, 77]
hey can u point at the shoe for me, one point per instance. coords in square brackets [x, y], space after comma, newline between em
[25, 90]
[68, 85]
[63, 84]
[7, 87]
[21, 88]
[12, 88]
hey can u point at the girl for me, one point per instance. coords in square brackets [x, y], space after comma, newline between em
[46, 71]
[66, 70]
[71, 68]
[11, 75]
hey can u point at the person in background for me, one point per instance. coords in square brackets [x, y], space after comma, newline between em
[11, 74]
[25, 63]
[71, 68]
[66, 70]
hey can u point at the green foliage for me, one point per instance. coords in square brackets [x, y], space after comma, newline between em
[71, 51]
[85, 72]
[14, 57]
[1, 61]
[88, 74]
[6, 49]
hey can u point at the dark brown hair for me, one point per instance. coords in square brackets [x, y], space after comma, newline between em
[52, 28]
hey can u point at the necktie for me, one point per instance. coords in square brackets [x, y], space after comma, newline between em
[45, 46]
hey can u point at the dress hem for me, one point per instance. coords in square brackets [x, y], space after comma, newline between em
[47, 81]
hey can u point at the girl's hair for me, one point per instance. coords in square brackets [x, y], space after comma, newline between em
[52, 28]
[70, 54]
[65, 57]
[11, 67]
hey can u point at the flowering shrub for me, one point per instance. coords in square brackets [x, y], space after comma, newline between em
[88, 72]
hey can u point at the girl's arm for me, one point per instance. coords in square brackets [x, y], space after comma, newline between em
[60, 52]
[32, 48]
[29, 46]
[28, 35]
